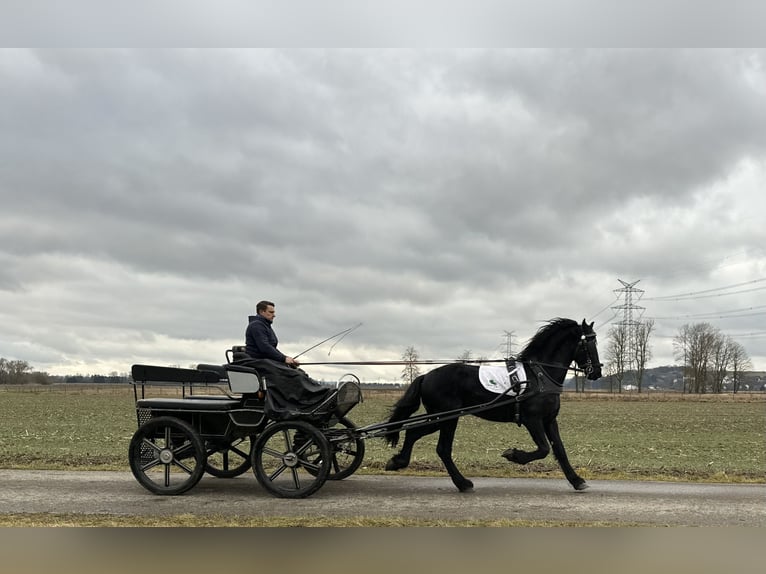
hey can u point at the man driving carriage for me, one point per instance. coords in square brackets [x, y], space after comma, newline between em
[288, 385]
[260, 340]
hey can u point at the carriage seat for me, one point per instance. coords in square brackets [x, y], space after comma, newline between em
[244, 379]
[197, 404]
[147, 374]
[219, 370]
[236, 353]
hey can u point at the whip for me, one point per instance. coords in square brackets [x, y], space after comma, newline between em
[343, 333]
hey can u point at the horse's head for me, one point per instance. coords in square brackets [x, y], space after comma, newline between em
[586, 355]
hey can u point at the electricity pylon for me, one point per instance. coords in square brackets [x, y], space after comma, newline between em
[631, 315]
[508, 343]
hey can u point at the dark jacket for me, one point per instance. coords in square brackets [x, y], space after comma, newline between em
[261, 341]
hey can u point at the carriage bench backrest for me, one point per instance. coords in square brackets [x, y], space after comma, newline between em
[146, 374]
[152, 375]
[244, 379]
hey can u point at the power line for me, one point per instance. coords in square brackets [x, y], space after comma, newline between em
[593, 317]
[705, 293]
[609, 320]
[712, 316]
[713, 296]
[718, 314]
[751, 335]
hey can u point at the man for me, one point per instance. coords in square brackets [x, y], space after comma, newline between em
[260, 340]
[290, 388]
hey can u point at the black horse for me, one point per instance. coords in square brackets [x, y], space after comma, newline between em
[456, 386]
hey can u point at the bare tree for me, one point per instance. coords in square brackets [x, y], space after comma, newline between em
[643, 352]
[681, 351]
[14, 372]
[702, 348]
[740, 361]
[411, 369]
[721, 360]
[616, 355]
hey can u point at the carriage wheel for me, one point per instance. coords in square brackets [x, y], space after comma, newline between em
[291, 459]
[229, 460]
[347, 450]
[347, 453]
[167, 456]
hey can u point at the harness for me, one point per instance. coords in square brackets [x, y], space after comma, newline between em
[545, 384]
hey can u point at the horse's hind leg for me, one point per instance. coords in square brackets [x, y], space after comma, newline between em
[444, 450]
[411, 436]
[552, 432]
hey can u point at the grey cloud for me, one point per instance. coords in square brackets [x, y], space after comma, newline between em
[380, 186]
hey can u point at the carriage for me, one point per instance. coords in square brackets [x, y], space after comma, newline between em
[294, 449]
[231, 427]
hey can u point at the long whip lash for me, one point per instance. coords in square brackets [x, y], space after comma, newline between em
[344, 333]
[343, 337]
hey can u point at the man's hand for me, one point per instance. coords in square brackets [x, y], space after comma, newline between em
[292, 362]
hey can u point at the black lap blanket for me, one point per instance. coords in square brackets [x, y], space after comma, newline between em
[288, 390]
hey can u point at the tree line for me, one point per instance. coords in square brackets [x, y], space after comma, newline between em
[709, 357]
[16, 372]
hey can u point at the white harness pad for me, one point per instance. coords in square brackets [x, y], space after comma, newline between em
[497, 379]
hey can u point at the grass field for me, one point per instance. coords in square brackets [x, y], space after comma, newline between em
[658, 437]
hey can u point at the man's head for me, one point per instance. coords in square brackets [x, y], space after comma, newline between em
[266, 310]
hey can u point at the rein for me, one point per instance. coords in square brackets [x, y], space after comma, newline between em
[427, 362]
[578, 369]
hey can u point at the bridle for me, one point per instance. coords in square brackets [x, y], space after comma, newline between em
[587, 341]
[584, 346]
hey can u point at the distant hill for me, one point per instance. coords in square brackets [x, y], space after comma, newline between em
[670, 378]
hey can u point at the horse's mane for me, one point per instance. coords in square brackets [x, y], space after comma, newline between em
[539, 341]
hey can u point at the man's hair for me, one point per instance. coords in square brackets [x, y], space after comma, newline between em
[262, 305]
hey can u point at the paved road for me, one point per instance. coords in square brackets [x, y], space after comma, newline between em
[392, 495]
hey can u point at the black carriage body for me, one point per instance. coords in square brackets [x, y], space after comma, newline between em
[179, 438]
[220, 415]
[211, 418]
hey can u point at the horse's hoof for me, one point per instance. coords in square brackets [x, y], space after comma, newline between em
[510, 455]
[391, 466]
[467, 486]
[581, 486]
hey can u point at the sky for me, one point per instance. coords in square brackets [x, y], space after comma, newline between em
[441, 198]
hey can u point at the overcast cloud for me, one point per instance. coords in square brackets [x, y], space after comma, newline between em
[150, 198]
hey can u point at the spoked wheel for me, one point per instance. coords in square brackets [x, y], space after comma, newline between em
[291, 459]
[167, 456]
[347, 450]
[229, 460]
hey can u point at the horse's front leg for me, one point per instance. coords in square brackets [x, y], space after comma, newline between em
[552, 432]
[537, 432]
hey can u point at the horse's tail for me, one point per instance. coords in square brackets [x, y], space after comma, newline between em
[404, 407]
